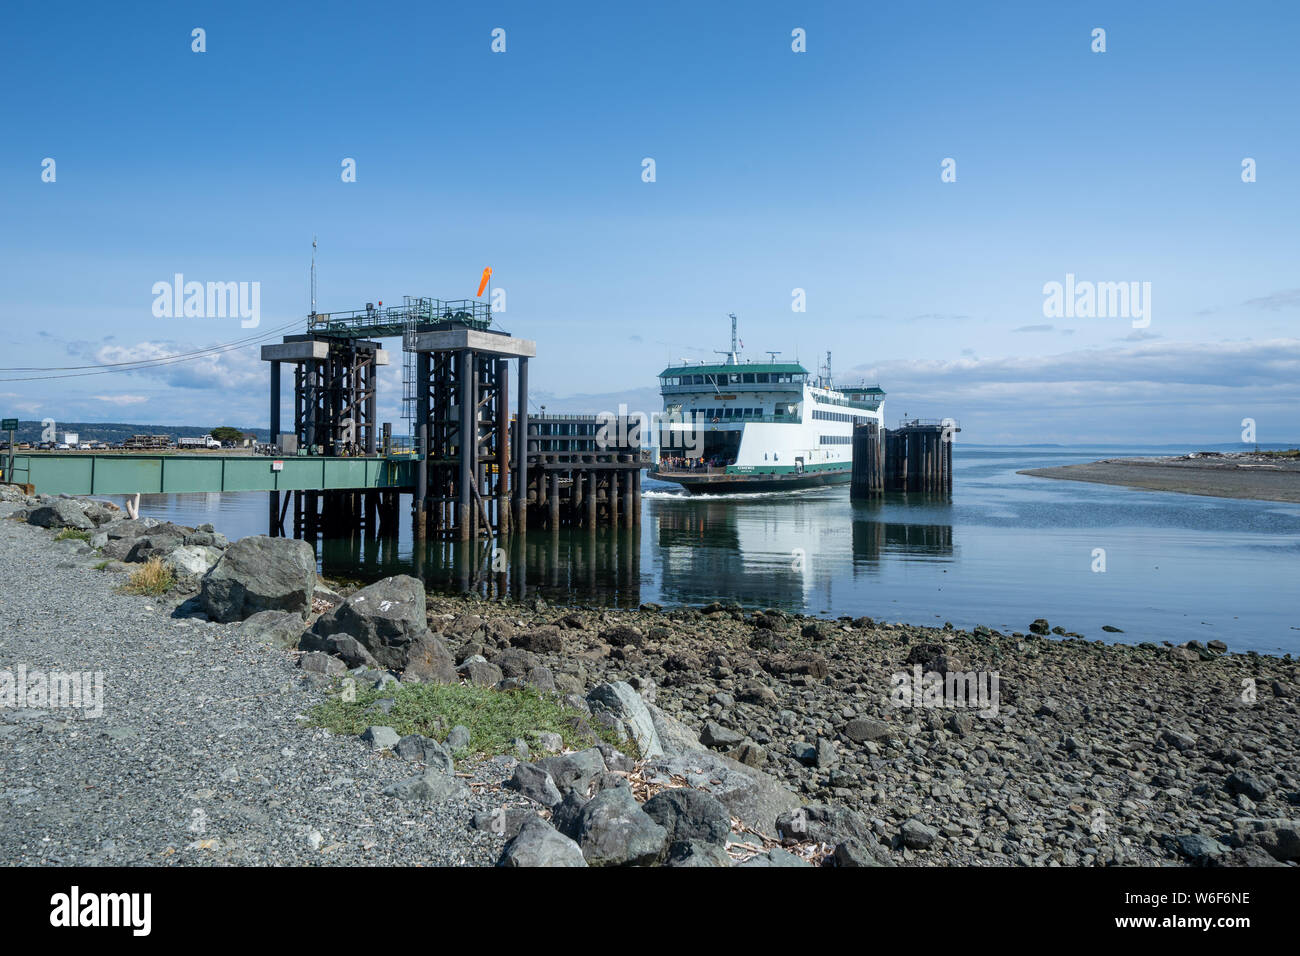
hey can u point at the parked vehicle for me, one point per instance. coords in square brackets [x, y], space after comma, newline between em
[203, 441]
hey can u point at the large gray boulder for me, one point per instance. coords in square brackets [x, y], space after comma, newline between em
[260, 573]
[129, 528]
[538, 844]
[281, 628]
[60, 513]
[752, 795]
[576, 771]
[674, 736]
[427, 751]
[432, 786]
[387, 617]
[155, 544]
[693, 853]
[1279, 837]
[192, 559]
[619, 702]
[613, 830]
[535, 784]
[849, 832]
[690, 815]
[428, 659]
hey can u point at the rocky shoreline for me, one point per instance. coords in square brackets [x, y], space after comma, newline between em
[1261, 477]
[696, 736]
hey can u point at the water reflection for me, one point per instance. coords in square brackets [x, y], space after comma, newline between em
[781, 553]
[601, 566]
[874, 538]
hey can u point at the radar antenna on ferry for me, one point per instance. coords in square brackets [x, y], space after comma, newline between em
[733, 355]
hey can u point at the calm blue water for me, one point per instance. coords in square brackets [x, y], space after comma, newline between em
[1004, 550]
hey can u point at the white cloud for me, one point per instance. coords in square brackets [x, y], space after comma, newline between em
[121, 399]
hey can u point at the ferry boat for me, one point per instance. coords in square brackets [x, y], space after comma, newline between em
[739, 426]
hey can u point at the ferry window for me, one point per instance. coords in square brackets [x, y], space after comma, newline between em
[696, 379]
[748, 378]
[761, 378]
[735, 378]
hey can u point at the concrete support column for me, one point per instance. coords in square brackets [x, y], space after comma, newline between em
[553, 499]
[628, 478]
[419, 510]
[521, 451]
[419, 505]
[274, 502]
[591, 501]
[636, 498]
[503, 446]
[372, 427]
[468, 441]
[613, 497]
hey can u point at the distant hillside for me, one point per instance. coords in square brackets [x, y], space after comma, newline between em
[114, 432]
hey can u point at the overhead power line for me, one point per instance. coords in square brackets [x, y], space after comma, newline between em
[135, 365]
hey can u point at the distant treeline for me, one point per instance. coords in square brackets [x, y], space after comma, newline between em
[116, 432]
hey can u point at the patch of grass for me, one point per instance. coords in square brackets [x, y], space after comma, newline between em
[77, 533]
[494, 717]
[154, 579]
[100, 566]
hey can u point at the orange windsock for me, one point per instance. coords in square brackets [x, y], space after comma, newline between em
[482, 283]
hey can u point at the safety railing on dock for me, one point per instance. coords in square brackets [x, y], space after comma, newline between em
[394, 320]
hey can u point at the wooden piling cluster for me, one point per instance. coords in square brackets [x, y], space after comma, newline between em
[915, 457]
[593, 491]
[868, 461]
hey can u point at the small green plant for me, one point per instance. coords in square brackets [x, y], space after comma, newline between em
[101, 565]
[494, 717]
[77, 533]
[154, 579]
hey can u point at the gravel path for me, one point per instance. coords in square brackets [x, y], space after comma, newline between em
[198, 758]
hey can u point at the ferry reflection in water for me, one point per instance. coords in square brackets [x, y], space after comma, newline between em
[775, 552]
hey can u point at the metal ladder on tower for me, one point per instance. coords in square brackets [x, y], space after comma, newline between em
[408, 367]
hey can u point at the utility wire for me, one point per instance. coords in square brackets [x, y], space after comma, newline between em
[196, 352]
[144, 364]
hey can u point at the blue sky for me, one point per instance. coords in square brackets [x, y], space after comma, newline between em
[775, 170]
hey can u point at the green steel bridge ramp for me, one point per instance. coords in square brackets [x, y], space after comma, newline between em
[80, 474]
